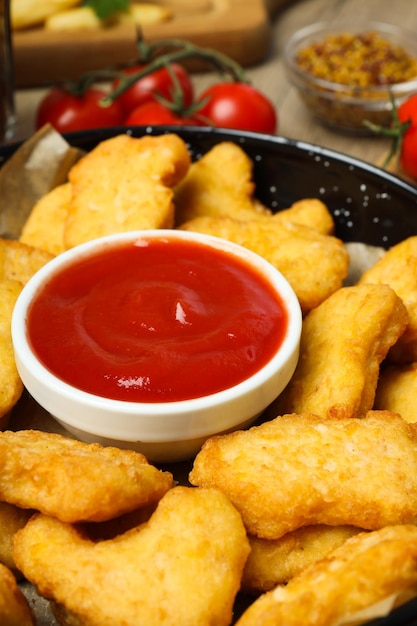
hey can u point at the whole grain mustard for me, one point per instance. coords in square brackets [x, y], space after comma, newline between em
[361, 60]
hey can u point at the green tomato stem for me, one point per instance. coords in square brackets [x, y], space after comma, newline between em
[395, 132]
[157, 55]
[182, 50]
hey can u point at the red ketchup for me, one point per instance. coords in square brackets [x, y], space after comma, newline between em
[156, 321]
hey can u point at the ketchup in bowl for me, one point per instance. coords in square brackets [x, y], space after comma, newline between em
[156, 320]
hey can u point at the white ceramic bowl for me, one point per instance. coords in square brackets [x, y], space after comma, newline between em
[163, 431]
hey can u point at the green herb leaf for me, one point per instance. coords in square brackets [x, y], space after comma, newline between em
[106, 8]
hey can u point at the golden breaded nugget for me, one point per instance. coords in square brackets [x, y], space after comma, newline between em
[398, 268]
[275, 561]
[343, 342]
[218, 184]
[12, 519]
[11, 386]
[365, 570]
[302, 470]
[182, 567]
[397, 391]
[75, 481]
[14, 608]
[19, 261]
[295, 250]
[125, 184]
[309, 212]
[44, 228]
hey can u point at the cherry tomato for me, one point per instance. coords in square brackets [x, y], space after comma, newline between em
[159, 82]
[67, 112]
[239, 106]
[154, 113]
[408, 158]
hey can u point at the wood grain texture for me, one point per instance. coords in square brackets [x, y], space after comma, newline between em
[268, 75]
[239, 28]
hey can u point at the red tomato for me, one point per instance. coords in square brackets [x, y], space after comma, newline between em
[159, 82]
[154, 113]
[67, 113]
[408, 158]
[239, 106]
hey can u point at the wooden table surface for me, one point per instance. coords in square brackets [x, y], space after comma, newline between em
[269, 76]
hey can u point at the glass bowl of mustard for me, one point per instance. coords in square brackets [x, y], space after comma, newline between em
[348, 74]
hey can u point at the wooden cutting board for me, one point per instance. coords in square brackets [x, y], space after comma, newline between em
[239, 28]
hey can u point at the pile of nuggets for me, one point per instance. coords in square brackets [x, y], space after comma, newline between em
[311, 513]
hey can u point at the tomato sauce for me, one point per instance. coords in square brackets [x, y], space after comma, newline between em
[156, 321]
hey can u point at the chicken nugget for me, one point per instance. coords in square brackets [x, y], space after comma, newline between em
[11, 386]
[75, 481]
[14, 608]
[19, 261]
[302, 470]
[12, 519]
[182, 567]
[125, 184]
[398, 268]
[218, 184]
[366, 570]
[343, 342]
[295, 250]
[275, 561]
[397, 391]
[310, 212]
[44, 227]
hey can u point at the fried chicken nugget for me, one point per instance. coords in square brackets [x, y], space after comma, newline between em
[275, 561]
[75, 481]
[44, 228]
[397, 391]
[14, 608]
[218, 184]
[19, 261]
[12, 519]
[302, 470]
[182, 567]
[365, 570]
[125, 184]
[11, 386]
[398, 268]
[295, 250]
[343, 342]
[310, 212]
